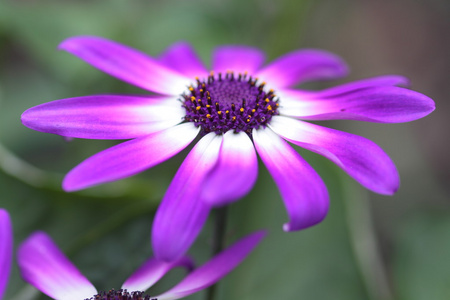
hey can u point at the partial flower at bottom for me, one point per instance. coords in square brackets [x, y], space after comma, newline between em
[239, 106]
[6, 245]
[45, 267]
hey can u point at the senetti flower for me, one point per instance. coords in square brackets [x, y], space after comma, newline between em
[6, 244]
[44, 266]
[238, 106]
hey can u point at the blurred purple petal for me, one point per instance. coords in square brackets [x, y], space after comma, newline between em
[385, 80]
[215, 269]
[153, 270]
[362, 159]
[181, 214]
[6, 245]
[238, 59]
[383, 104]
[131, 157]
[105, 116]
[126, 64]
[300, 66]
[181, 57]
[235, 173]
[45, 267]
[303, 191]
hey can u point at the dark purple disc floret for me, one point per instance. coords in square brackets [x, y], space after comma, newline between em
[121, 295]
[229, 102]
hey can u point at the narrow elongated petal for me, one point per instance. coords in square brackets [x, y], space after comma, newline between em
[235, 173]
[181, 214]
[126, 64]
[238, 59]
[6, 245]
[153, 270]
[215, 269]
[181, 57]
[104, 116]
[302, 65]
[361, 158]
[303, 191]
[129, 158]
[385, 80]
[45, 267]
[383, 104]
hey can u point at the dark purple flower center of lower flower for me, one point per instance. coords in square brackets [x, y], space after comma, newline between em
[229, 102]
[121, 295]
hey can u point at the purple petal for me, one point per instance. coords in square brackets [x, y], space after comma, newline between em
[126, 64]
[181, 214]
[385, 80]
[104, 116]
[45, 267]
[129, 158]
[153, 270]
[383, 104]
[302, 65]
[215, 269]
[362, 159]
[235, 173]
[6, 245]
[238, 59]
[303, 191]
[181, 57]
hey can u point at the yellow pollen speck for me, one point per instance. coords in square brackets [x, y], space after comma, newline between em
[269, 107]
[267, 100]
[211, 73]
[227, 112]
[253, 110]
[208, 116]
[248, 120]
[201, 90]
[196, 78]
[271, 91]
[198, 107]
[249, 116]
[242, 109]
[219, 112]
[233, 119]
[192, 98]
[277, 104]
[208, 106]
[191, 89]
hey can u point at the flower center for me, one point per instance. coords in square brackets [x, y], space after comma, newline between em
[229, 102]
[121, 295]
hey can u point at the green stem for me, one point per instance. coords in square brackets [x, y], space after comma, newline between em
[218, 243]
[23, 171]
[365, 244]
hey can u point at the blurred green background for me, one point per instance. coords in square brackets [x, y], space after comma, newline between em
[369, 247]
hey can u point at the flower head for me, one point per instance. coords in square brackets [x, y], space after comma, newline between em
[44, 266]
[6, 244]
[237, 107]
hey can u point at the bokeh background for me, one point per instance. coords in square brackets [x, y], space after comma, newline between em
[369, 247]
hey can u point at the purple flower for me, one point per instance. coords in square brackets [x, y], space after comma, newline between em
[238, 106]
[44, 266]
[6, 244]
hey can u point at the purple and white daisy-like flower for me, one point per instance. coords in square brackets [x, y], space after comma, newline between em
[239, 106]
[43, 265]
[6, 245]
